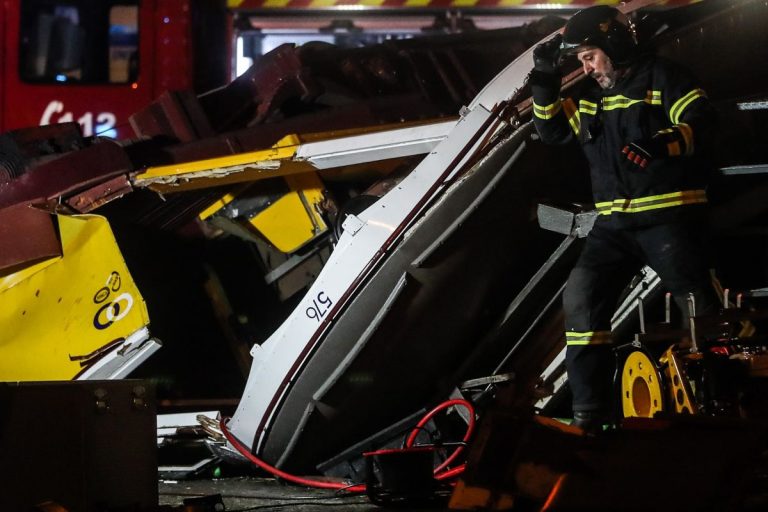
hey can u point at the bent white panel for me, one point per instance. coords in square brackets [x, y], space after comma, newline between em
[279, 357]
[122, 359]
[371, 147]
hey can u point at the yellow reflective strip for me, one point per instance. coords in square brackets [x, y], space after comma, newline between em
[642, 204]
[615, 99]
[547, 112]
[588, 338]
[572, 113]
[623, 104]
[586, 334]
[614, 102]
[670, 195]
[570, 334]
[653, 98]
[668, 204]
[620, 101]
[687, 132]
[604, 208]
[680, 105]
[587, 107]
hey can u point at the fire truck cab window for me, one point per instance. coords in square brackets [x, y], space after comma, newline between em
[86, 41]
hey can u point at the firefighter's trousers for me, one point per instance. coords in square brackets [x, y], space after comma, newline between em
[611, 256]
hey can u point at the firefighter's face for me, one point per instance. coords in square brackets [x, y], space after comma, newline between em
[599, 66]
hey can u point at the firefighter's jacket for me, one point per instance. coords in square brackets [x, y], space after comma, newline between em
[654, 98]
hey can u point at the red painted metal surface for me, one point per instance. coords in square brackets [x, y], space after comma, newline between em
[69, 175]
[172, 29]
[100, 194]
[165, 62]
[27, 236]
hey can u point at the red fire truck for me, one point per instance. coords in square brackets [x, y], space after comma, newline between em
[98, 61]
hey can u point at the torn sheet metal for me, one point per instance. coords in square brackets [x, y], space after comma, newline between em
[277, 360]
[80, 170]
[170, 425]
[118, 360]
[292, 221]
[249, 166]
[186, 442]
[27, 236]
[290, 156]
[99, 195]
[60, 318]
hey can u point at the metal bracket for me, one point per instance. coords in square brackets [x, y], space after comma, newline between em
[353, 224]
[571, 222]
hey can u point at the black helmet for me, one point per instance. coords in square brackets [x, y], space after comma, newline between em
[602, 27]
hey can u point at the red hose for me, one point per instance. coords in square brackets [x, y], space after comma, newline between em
[282, 474]
[451, 473]
[245, 452]
[467, 436]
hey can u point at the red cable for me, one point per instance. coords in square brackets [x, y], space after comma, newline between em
[245, 452]
[467, 436]
[451, 473]
[282, 474]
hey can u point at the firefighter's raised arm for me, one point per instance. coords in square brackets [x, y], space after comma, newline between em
[549, 115]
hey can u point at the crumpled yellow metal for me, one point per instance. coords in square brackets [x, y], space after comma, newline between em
[59, 316]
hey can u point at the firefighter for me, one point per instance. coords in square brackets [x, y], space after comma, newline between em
[643, 124]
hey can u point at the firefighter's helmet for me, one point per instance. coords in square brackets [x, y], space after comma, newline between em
[602, 27]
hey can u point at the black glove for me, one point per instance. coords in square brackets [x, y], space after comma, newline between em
[641, 152]
[546, 56]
